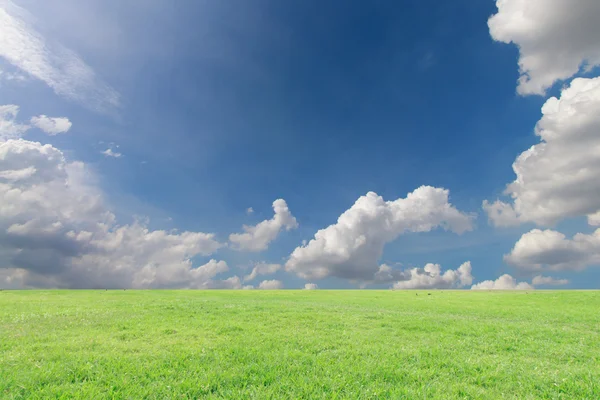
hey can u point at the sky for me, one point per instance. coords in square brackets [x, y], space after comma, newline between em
[410, 144]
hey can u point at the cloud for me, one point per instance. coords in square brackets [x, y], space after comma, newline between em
[351, 248]
[387, 274]
[52, 126]
[558, 178]
[262, 269]
[550, 250]
[311, 286]
[249, 210]
[555, 38]
[57, 66]
[110, 153]
[540, 280]
[501, 214]
[11, 279]
[9, 128]
[430, 277]
[505, 282]
[257, 238]
[233, 282]
[56, 231]
[594, 219]
[271, 285]
[12, 76]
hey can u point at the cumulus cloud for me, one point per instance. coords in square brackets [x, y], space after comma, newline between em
[262, 269]
[501, 214]
[550, 250]
[351, 248]
[56, 231]
[555, 38]
[57, 66]
[271, 285]
[257, 238]
[233, 282]
[110, 153]
[558, 178]
[430, 277]
[505, 282]
[311, 286]
[387, 274]
[9, 127]
[594, 219]
[52, 126]
[540, 280]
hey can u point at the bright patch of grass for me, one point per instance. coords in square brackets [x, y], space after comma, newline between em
[299, 344]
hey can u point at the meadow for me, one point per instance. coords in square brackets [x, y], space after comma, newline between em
[299, 344]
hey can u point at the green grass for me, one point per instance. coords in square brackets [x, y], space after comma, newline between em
[299, 344]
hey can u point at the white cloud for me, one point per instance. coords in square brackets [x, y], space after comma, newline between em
[59, 67]
[110, 153]
[540, 280]
[52, 126]
[12, 76]
[9, 128]
[249, 210]
[157, 274]
[555, 38]
[558, 178]
[505, 282]
[262, 269]
[56, 231]
[311, 286]
[271, 285]
[430, 277]
[594, 219]
[233, 282]
[257, 238]
[500, 213]
[550, 250]
[351, 248]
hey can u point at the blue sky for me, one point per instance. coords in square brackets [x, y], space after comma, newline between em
[224, 106]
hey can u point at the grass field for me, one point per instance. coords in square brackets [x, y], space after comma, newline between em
[299, 344]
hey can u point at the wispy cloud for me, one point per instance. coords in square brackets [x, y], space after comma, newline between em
[9, 127]
[548, 280]
[262, 269]
[111, 153]
[59, 67]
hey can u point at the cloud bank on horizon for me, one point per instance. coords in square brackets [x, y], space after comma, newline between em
[59, 228]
